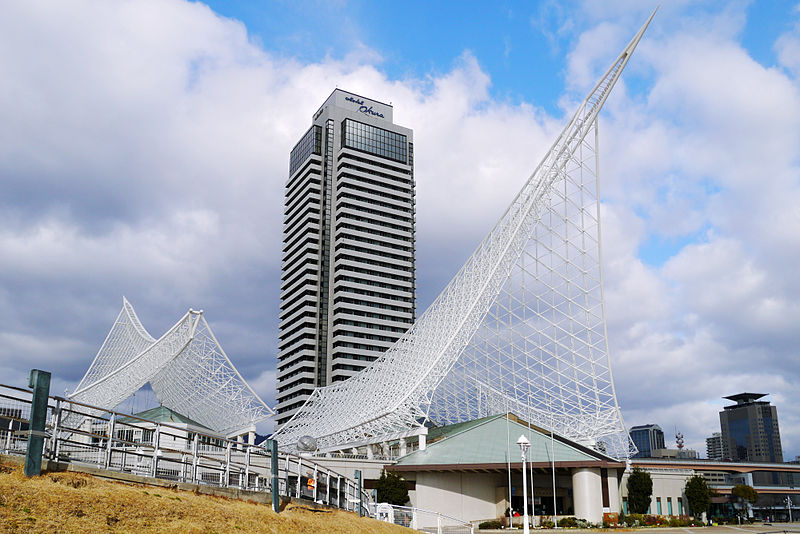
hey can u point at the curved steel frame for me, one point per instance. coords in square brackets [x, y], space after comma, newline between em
[187, 369]
[521, 327]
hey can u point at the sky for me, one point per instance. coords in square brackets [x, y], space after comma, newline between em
[144, 147]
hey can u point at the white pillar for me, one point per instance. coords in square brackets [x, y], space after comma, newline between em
[613, 491]
[587, 494]
[251, 437]
[369, 451]
[422, 438]
[403, 449]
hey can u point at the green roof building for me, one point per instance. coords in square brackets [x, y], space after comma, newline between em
[473, 471]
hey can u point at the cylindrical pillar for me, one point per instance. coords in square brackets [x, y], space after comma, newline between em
[587, 494]
[613, 492]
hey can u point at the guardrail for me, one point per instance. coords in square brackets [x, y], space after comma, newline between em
[89, 435]
[422, 520]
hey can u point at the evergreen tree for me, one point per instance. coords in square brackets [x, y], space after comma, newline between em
[698, 494]
[640, 489]
[392, 488]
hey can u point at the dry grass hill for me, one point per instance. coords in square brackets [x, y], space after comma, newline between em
[74, 502]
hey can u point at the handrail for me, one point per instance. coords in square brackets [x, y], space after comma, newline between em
[87, 434]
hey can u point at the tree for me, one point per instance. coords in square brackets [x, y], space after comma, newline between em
[743, 493]
[392, 489]
[640, 489]
[698, 494]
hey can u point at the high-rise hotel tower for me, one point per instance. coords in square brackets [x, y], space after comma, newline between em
[348, 272]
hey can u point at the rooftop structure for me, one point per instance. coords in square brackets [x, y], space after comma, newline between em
[186, 368]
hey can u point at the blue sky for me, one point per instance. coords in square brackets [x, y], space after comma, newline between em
[144, 146]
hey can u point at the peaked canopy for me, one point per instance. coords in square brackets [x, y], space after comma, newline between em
[186, 367]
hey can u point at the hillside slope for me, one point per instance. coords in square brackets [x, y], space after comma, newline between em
[76, 503]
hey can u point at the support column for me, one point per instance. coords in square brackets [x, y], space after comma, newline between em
[587, 494]
[422, 438]
[613, 492]
[403, 449]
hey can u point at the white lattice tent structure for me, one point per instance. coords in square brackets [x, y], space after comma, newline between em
[186, 368]
[520, 328]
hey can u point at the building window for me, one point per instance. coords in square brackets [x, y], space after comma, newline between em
[625, 505]
[658, 505]
[680, 506]
[669, 505]
[311, 143]
[374, 140]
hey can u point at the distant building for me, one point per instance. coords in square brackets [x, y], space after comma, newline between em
[673, 453]
[750, 430]
[714, 446]
[647, 439]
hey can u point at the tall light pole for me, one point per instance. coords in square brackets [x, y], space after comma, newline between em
[523, 445]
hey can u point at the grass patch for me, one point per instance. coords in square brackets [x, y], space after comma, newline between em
[78, 503]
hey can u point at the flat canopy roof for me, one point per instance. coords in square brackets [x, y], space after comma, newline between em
[743, 398]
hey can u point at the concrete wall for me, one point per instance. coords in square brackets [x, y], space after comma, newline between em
[465, 496]
[668, 484]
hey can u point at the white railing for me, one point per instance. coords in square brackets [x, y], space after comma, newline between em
[422, 520]
[84, 434]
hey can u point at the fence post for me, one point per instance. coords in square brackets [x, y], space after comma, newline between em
[8, 435]
[194, 457]
[56, 426]
[273, 451]
[316, 483]
[156, 439]
[228, 464]
[360, 497]
[39, 381]
[246, 466]
[110, 442]
[328, 488]
[299, 474]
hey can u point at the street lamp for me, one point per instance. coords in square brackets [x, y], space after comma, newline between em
[523, 445]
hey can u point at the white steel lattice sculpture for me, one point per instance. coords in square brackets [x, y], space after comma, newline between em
[520, 328]
[187, 369]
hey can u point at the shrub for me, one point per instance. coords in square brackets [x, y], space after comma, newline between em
[640, 489]
[568, 522]
[548, 524]
[493, 524]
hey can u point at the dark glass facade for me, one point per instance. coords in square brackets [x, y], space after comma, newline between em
[310, 143]
[374, 140]
[647, 438]
[750, 430]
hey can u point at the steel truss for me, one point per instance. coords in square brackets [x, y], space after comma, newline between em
[187, 369]
[520, 328]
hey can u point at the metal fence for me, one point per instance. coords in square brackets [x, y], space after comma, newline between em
[88, 435]
[422, 520]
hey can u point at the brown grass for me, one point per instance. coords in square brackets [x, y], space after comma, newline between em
[76, 502]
